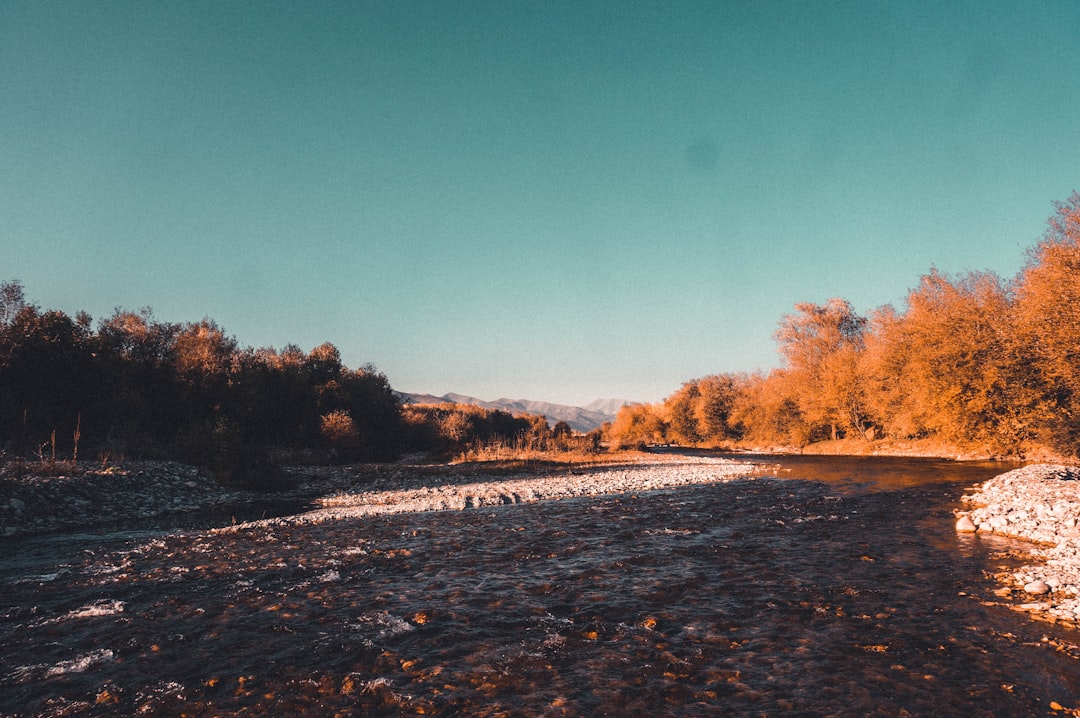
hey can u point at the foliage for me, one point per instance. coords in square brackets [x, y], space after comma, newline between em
[972, 361]
[455, 430]
[636, 426]
[1047, 324]
[139, 387]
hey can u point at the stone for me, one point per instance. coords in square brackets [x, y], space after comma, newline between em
[1037, 587]
[17, 504]
[965, 525]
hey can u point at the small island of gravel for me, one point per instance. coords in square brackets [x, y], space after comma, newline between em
[69, 498]
[652, 473]
[1041, 504]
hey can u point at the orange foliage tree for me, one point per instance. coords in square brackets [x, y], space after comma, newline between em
[1047, 328]
[820, 345]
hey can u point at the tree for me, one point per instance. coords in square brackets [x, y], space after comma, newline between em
[203, 351]
[12, 301]
[323, 364]
[134, 353]
[767, 412]
[716, 401]
[957, 360]
[680, 409]
[637, 426]
[339, 429]
[820, 345]
[137, 337]
[46, 375]
[892, 390]
[1047, 324]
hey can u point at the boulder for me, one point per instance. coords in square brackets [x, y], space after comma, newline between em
[964, 525]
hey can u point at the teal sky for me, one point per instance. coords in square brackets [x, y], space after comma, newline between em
[543, 200]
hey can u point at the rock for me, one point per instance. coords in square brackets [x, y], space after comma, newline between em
[1037, 587]
[965, 525]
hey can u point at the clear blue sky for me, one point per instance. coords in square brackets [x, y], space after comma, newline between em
[543, 200]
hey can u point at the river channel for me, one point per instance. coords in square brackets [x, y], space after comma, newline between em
[836, 587]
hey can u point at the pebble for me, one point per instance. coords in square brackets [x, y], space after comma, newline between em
[495, 491]
[965, 525]
[1038, 503]
[32, 502]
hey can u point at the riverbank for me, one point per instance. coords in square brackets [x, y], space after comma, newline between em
[1041, 504]
[655, 472]
[910, 448]
[39, 499]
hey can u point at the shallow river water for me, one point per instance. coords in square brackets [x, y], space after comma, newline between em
[837, 587]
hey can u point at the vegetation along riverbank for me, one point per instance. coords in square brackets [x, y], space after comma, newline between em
[973, 365]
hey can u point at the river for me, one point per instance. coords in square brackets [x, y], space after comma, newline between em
[836, 587]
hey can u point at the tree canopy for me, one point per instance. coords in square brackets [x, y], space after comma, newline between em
[973, 360]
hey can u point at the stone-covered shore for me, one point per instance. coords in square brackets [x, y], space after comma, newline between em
[37, 501]
[1038, 503]
[665, 472]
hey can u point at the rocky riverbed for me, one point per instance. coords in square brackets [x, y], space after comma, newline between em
[36, 499]
[464, 491]
[1038, 503]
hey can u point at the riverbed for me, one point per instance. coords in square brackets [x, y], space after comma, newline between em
[834, 586]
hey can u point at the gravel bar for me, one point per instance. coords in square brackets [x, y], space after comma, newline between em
[1041, 504]
[663, 473]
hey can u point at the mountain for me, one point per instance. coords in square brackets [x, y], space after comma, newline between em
[580, 419]
[608, 406]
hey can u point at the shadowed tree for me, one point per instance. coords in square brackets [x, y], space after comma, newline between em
[46, 377]
[12, 301]
[717, 397]
[680, 411]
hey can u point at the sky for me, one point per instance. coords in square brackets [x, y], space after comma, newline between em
[557, 201]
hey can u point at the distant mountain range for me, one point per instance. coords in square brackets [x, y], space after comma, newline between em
[579, 418]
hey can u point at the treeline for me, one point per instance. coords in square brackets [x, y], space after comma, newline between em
[136, 387]
[464, 430]
[974, 361]
[140, 388]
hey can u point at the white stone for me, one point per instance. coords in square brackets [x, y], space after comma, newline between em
[964, 525]
[1037, 587]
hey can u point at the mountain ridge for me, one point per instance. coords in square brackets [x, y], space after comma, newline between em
[583, 419]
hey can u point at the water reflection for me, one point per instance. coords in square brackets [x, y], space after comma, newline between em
[839, 589]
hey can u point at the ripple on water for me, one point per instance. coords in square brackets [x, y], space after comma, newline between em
[763, 597]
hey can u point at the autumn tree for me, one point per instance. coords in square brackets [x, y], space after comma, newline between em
[203, 352]
[820, 346]
[637, 426]
[135, 354]
[1047, 326]
[680, 410]
[892, 391]
[717, 396]
[768, 412]
[946, 366]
